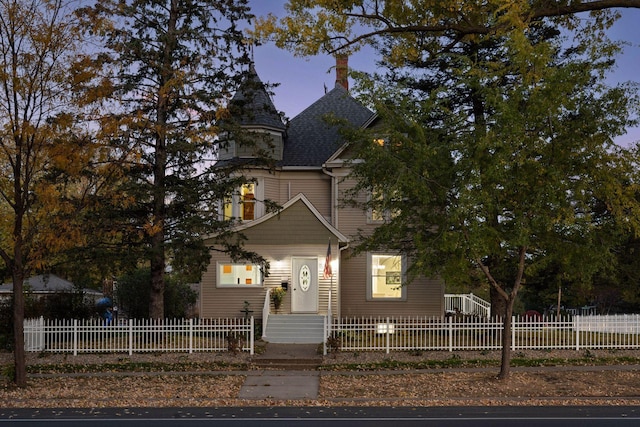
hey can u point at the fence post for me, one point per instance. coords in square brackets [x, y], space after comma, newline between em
[43, 330]
[576, 325]
[450, 333]
[513, 333]
[251, 337]
[388, 334]
[190, 335]
[130, 337]
[325, 333]
[75, 337]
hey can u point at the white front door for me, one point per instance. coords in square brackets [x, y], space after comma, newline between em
[304, 296]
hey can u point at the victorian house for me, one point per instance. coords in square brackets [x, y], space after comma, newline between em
[306, 242]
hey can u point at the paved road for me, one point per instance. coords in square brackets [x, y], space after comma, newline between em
[337, 416]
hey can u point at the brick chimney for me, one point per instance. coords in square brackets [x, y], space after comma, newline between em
[342, 70]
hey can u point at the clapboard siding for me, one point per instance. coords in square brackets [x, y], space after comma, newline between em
[292, 226]
[272, 189]
[351, 219]
[228, 302]
[315, 185]
[424, 296]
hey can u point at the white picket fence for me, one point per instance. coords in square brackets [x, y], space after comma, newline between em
[362, 334]
[137, 336]
[477, 333]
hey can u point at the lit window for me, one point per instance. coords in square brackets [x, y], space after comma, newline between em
[385, 277]
[248, 201]
[383, 207]
[242, 205]
[376, 214]
[239, 275]
[380, 141]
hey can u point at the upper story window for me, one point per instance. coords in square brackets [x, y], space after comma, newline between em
[385, 276]
[383, 207]
[243, 204]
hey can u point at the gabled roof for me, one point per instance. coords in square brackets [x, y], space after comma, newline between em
[297, 202]
[310, 139]
[251, 105]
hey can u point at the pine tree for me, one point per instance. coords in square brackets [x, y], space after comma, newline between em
[175, 65]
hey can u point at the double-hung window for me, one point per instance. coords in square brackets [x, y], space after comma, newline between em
[385, 277]
[243, 204]
[383, 207]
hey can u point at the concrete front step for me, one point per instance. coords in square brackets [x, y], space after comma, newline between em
[295, 329]
[294, 357]
[288, 364]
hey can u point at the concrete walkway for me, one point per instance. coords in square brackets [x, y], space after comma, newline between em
[281, 385]
[293, 377]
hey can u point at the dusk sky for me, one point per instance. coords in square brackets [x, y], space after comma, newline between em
[303, 80]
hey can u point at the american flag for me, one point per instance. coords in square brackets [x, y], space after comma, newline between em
[327, 263]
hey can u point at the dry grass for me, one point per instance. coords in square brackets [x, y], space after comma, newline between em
[558, 386]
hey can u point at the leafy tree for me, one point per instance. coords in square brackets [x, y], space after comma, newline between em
[497, 158]
[43, 151]
[175, 64]
[419, 26]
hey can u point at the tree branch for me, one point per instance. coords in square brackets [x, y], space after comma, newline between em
[464, 27]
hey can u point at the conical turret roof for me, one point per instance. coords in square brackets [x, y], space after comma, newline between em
[252, 106]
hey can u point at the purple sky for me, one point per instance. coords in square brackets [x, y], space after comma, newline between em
[303, 80]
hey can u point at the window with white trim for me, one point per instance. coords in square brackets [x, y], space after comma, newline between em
[239, 275]
[385, 277]
[243, 204]
[376, 214]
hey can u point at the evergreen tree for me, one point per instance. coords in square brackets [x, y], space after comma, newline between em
[175, 65]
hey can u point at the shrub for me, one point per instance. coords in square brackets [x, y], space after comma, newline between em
[134, 290]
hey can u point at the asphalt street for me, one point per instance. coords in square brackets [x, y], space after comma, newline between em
[554, 416]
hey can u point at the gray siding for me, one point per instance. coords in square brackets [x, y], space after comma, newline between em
[315, 185]
[294, 232]
[228, 302]
[424, 296]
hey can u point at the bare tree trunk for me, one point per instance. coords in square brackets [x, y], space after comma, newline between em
[498, 303]
[156, 297]
[20, 364]
[505, 365]
[156, 303]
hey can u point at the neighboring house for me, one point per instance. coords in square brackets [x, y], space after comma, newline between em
[308, 183]
[47, 284]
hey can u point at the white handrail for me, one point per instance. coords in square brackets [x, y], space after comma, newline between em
[467, 304]
[266, 308]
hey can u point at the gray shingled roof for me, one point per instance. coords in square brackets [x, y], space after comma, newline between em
[310, 139]
[252, 105]
[46, 283]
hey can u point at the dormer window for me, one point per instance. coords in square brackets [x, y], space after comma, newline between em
[244, 205]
